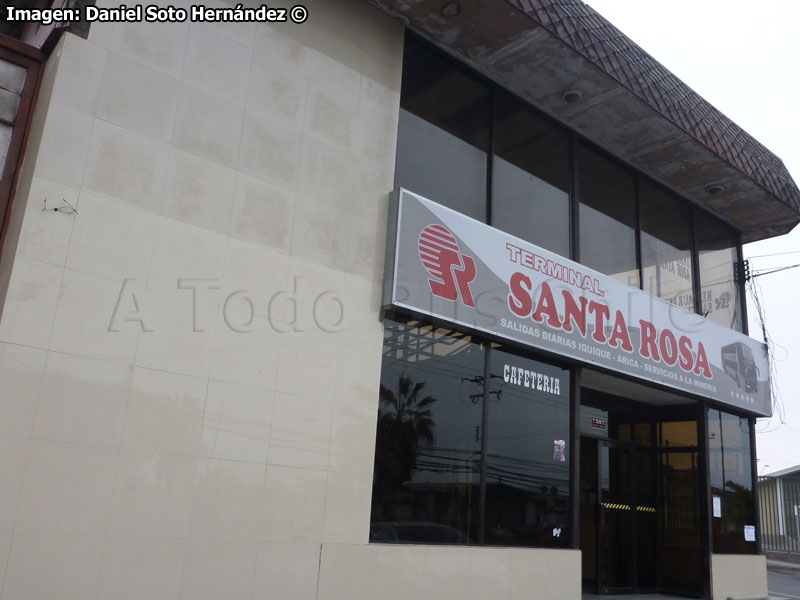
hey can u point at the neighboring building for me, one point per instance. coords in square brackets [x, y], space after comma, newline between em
[779, 499]
[220, 376]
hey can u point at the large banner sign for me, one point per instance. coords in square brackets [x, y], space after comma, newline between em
[449, 266]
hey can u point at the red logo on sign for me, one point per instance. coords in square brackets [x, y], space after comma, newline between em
[452, 271]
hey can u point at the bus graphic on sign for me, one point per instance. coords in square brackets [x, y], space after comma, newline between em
[738, 362]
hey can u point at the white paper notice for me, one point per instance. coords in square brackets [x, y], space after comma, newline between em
[717, 502]
[749, 533]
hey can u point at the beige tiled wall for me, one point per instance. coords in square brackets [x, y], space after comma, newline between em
[155, 443]
[738, 576]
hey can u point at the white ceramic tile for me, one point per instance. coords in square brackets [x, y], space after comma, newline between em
[353, 439]
[338, 72]
[158, 45]
[362, 300]
[82, 400]
[135, 568]
[359, 571]
[92, 318]
[64, 146]
[182, 336]
[301, 430]
[154, 495]
[278, 46]
[199, 192]
[381, 41]
[126, 166]
[45, 234]
[21, 370]
[330, 119]
[287, 570]
[216, 64]
[372, 192]
[380, 97]
[253, 276]
[216, 569]
[67, 488]
[186, 256]
[319, 234]
[236, 423]
[229, 500]
[27, 317]
[13, 452]
[246, 350]
[137, 97]
[294, 504]
[269, 151]
[347, 508]
[100, 32]
[112, 239]
[365, 249]
[5, 547]
[165, 412]
[298, 352]
[315, 303]
[358, 374]
[208, 126]
[376, 138]
[262, 214]
[276, 91]
[489, 573]
[327, 175]
[242, 33]
[49, 566]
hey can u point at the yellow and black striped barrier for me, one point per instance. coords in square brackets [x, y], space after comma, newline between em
[613, 506]
[616, 506]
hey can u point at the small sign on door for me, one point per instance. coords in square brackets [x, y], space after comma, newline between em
[749, 533]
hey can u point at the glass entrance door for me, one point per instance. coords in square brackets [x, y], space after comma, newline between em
[616, 535]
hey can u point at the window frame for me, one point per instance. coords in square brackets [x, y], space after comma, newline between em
[574, 139]
[32, 61]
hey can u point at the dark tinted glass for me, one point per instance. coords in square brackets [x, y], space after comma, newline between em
[717, 257]
[443, 132]
[530, 177]
[428, 446]
[527, 485]
[731, 482]
[666, 239]
[607, 195]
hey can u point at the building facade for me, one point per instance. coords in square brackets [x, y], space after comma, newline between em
[405, 300]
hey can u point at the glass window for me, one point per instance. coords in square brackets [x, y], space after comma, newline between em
[530, 177]
[717, 258]
[607, 196]
[428, 447]
[443, 133]
[431, 446]
[730, 471]
[666, 239]
[527, 467]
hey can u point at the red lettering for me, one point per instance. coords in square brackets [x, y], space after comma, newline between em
[701, 366]
[574, 313]
[547, 306]
[668, 346]
[519, 300]
[685, 349]
[648, 347]
[601, 313]
[620, 336]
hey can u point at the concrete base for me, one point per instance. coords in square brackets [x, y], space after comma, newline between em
[738, 576]
[388, 571]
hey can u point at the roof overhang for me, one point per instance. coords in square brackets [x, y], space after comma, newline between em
[540, 49]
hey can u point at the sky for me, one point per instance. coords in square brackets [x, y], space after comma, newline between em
[744, 58]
